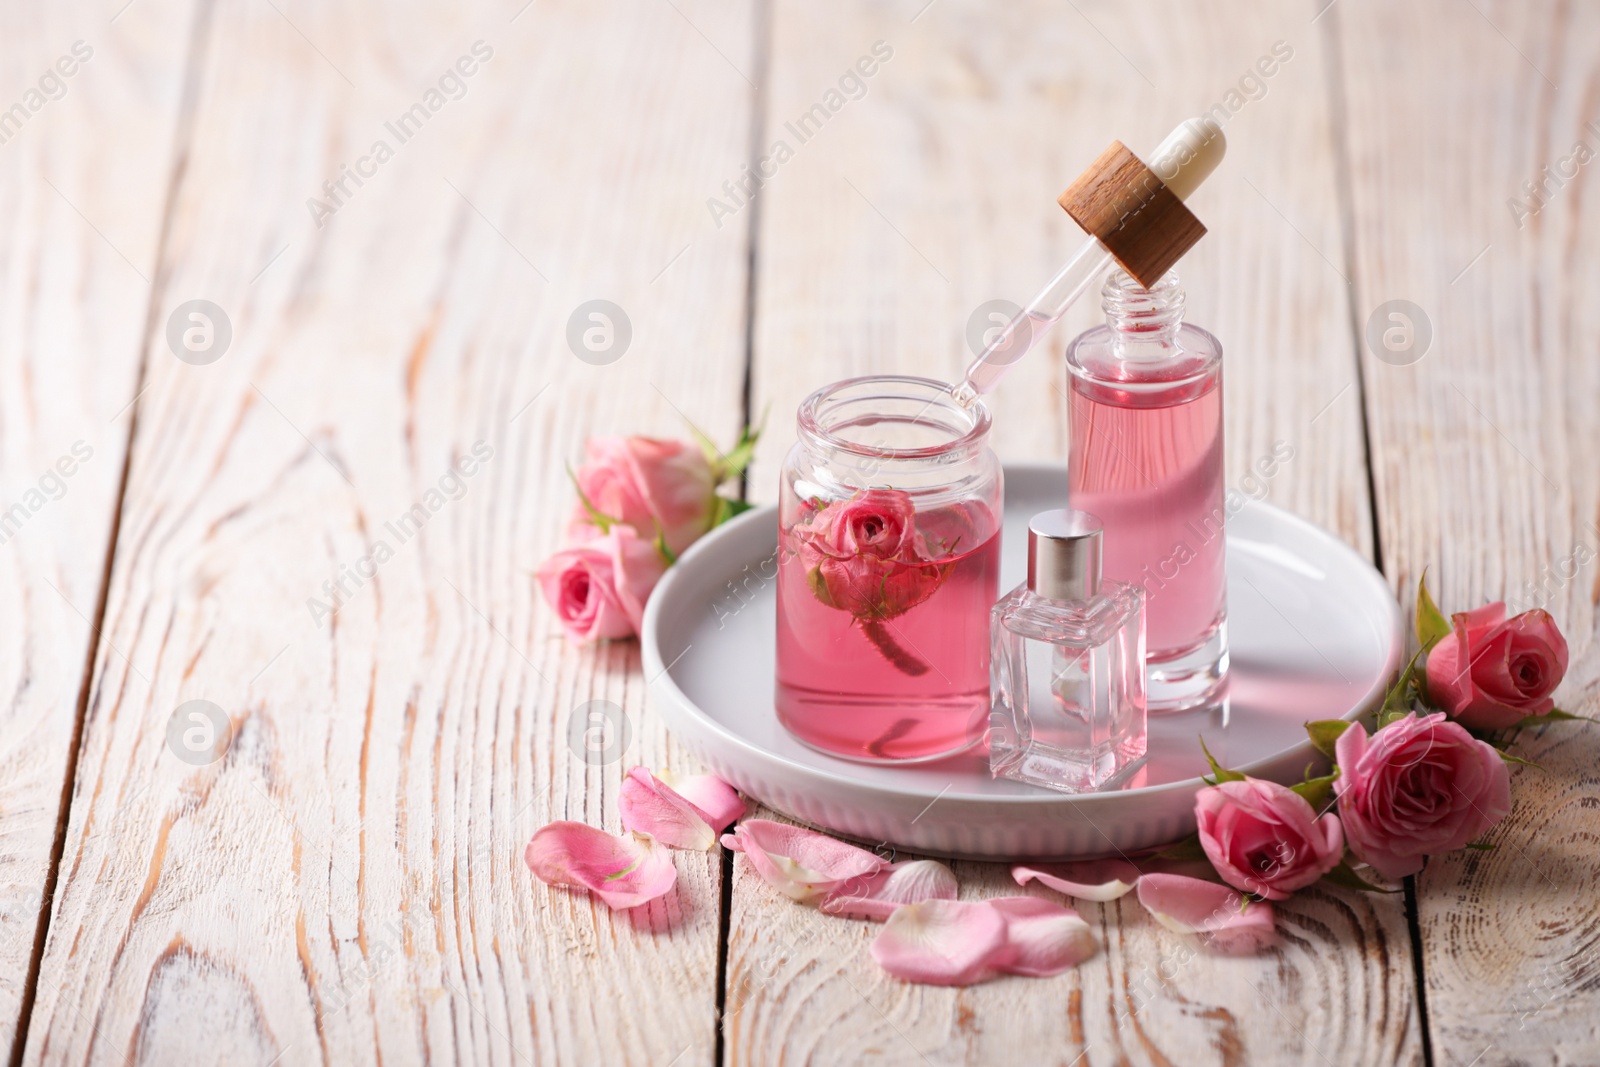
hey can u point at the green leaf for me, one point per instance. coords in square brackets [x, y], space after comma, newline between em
[1325, 733]
[819, 587]
[1553, 715]
[708, 447]
[1479, 846]
[1431, 622]
[661, 546]
[1398, 700]
[727, 509]
[731, 465]
[1389, 718]
[596, 516]
[743, 451]
[1317, 791]
[1509, 758]
[1343, 875]
[1221, 773]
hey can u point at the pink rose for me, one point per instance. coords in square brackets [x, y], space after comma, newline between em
[1491, 672]
[598, 588]
[1417, 787]
[652, 485]
[879, 523]
[1264, 838]
[864, 555]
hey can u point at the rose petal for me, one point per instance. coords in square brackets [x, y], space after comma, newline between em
[1096, 880]
[1044, 937]
[797, 862]
[624, 872]
[650, 806]
[943, 942]
[716, 801]
[1218, 913]
[876, 896]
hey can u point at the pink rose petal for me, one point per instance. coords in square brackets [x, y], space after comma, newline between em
[657, 487]
[1096, 880]
[1044, 937]
[1218, 913]
[876, 896]
[650, 806]
[716, 801]
[943, 942]
[624, 872]
[958, 943]
[797, 862]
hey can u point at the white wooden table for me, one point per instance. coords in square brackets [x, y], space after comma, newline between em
[345, 884]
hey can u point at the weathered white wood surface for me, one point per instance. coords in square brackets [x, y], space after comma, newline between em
[913, 206]
[1484, 454]
[346, 883]
[79, 247]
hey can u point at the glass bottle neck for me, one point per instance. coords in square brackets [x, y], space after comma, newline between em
[1144, 323]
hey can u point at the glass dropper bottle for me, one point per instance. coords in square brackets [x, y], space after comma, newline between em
[1133, 214]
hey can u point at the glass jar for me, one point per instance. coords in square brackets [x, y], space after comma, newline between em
[889, 561]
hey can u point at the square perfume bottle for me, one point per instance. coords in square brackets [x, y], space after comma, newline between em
[1068, 665]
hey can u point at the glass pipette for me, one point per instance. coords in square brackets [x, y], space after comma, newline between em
[1182, 161]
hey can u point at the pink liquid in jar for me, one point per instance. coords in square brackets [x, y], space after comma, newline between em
[911, 687]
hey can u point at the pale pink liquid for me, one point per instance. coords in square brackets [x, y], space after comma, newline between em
[838, 692]
[1152, 471]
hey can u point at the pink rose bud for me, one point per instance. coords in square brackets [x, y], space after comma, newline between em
[1417, 787]
[598, 589]
[1491, 672]
[1264, 838]
[864, 556]
[879, 523]
[654, 486]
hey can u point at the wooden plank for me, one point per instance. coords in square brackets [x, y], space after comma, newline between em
[79, 245]
[1482, 466]
[345, 883]
[906, 211]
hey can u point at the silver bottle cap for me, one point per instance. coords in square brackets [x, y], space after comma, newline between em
[1064, 554]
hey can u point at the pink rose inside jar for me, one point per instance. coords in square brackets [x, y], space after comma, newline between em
[889, 560]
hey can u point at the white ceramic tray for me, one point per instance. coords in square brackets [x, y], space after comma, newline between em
[1314, 633]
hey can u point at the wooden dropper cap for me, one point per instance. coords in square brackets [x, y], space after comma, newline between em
[1137, 211]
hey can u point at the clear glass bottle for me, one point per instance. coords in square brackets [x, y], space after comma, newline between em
[1068, 665]
[889, 561]
[1145, 417]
